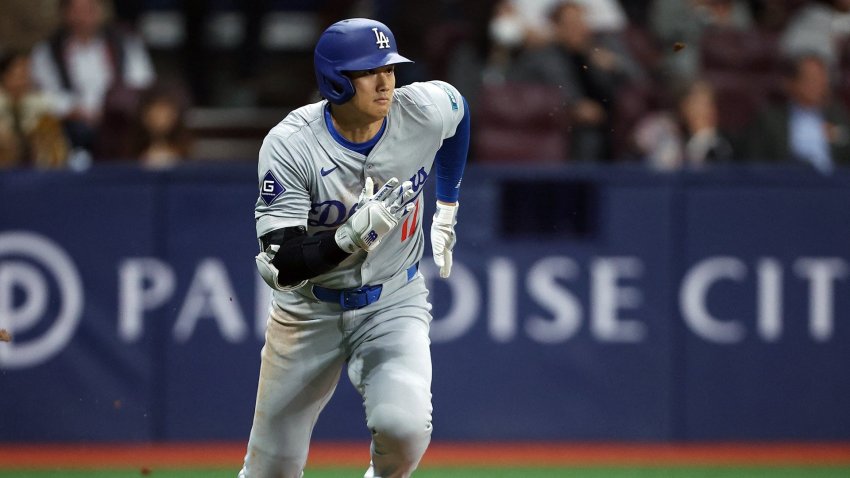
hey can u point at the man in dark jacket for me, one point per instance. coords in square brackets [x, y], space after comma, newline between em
[809, 126]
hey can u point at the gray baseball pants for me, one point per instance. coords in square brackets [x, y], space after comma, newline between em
[388, 349]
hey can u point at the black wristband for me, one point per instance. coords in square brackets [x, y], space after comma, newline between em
[321, 252]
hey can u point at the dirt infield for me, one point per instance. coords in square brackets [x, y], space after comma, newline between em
[440, 454]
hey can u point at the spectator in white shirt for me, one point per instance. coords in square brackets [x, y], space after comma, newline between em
[92, 67]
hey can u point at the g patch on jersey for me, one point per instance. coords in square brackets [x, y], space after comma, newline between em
[270, 188]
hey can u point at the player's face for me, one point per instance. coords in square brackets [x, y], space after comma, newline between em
[373, 91]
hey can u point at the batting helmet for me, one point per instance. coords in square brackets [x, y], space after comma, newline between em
[352, 45]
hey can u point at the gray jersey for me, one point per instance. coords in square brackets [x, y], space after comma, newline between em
[307, 178]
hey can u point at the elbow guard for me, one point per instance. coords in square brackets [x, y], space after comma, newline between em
[269, 272]
[270, 245]
[290, 257]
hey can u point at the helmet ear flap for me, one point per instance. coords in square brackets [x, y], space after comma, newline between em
[339, 89]
[333, 85]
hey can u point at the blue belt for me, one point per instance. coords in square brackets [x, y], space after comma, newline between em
[350, 299]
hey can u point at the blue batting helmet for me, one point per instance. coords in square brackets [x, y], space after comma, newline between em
[355, 44]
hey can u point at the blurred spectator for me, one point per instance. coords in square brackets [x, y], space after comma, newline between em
[605, 15]
[511, 29]
[525, 24]
[689, 136]
[29, 134]
[589, 69]
[521, 23]
[683, 22]
[93, 68]
[817, 28]
[160, 137]
[808, 126]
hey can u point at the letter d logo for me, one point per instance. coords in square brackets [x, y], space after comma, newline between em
[27, 262]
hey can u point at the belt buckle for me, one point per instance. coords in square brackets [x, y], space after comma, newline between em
[359, 298]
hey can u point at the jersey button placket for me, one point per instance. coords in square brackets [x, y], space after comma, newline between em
[366, 272]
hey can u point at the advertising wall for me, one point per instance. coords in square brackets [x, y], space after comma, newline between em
[584, 304]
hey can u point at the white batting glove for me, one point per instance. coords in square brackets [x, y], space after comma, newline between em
[375, 217]
[443, 236]
[269, 272]
[367, 192]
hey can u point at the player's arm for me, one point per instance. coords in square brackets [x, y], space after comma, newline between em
[290, 256]
[451, 160]
[449, 163]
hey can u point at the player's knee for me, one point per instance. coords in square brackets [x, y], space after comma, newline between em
[393, 423]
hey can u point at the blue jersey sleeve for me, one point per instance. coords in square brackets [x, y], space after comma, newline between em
[451, 160]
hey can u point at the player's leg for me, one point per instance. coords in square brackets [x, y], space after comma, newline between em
[391, 368]
[301, 364]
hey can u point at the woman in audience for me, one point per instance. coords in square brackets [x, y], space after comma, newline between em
[29, 134]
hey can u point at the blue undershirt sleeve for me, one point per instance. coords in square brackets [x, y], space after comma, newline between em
[451, 159]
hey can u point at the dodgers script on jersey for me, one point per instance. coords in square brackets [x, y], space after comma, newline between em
[308, 179]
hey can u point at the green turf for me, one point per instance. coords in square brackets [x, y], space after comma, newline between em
[595, 472]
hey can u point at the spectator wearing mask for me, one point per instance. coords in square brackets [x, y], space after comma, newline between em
[94, 69]
[526, 22]
[808, 126]
[517, 25]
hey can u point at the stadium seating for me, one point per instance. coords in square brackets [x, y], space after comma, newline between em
[743, 67]
[516, 122]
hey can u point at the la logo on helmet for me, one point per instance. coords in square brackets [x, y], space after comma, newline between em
[380, 39]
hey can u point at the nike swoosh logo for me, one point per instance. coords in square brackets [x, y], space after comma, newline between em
[329, 171]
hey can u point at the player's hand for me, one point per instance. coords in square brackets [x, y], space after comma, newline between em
[376, 216]
[443, 236]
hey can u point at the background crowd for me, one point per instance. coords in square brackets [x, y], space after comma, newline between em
[669, 83]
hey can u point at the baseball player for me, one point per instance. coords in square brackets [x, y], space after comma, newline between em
[339, 218]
